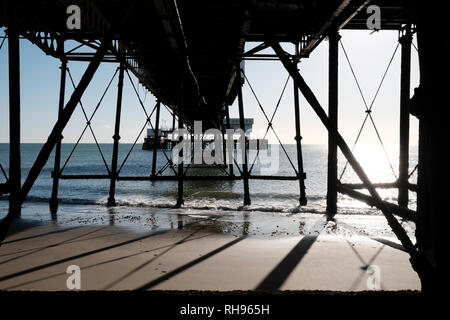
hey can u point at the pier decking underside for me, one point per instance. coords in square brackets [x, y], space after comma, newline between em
[194, 42]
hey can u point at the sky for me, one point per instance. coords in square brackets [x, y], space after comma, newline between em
[369, 54]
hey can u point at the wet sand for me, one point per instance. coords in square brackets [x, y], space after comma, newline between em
[195, 256]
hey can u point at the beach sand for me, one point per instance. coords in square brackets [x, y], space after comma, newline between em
[35, 256]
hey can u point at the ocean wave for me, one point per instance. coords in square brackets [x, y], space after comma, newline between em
[199, 204]
[316, 205]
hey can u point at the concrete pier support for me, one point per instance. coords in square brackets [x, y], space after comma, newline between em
[56, 167]
[405, 76]
[116, 137]
[14, 122]
[156, 142]
[333, 120]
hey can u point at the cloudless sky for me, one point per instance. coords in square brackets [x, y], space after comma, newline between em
[369, 54]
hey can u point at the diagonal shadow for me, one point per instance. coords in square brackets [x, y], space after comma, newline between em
[152, 259]
[69, 242]
[98, 264]
[365, 265]
[390, 243]
[188, 265]
[78, 256]
[281, 272]
[85, 254]
[36, 250]
[40, 235]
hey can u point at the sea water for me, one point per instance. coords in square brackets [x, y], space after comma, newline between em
[274, 202]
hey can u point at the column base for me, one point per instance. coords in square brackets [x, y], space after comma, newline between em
[53, 204]
[303, 201]
[111, 202]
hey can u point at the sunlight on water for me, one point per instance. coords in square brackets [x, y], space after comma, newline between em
[381, 166]
[376, 163]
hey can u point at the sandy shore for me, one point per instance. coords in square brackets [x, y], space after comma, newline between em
[36, 256]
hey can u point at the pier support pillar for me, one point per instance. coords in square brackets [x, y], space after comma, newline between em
[14, 123]
[173, 129]
[405, 75]
[56, 167]
[298, 139]
[377, 201]
[156, 142]
[433, 171]
[242, 125]
[333, 121]
[180, 200]
[55, 134]
[230, 165]
[116, 137]
[224, 142]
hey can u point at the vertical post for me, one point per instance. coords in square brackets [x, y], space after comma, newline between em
[173, 129]
[62, 89]
[224, 142]
[433, 174]
[55, 134]
[333, 116]
[242, 125]
[230, 165]
[405, 42]
[14, 122]
[180, 200]
[116, 137]
[157, 141]
[298, 138]
[396, 227]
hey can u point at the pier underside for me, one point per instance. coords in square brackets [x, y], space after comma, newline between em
[190, 55]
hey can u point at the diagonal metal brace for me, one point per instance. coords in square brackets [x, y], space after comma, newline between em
[62, 122]
[378, 202]
[55, 134]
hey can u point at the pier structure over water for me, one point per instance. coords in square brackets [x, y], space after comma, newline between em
[190, 55]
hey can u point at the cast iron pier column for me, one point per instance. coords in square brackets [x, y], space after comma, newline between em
[116, 137]
[405, 76]
[14, 122]
[333, 116]
[56, 167]
[180, 200]
[156, 142]
[242, 125]
[298, 138]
